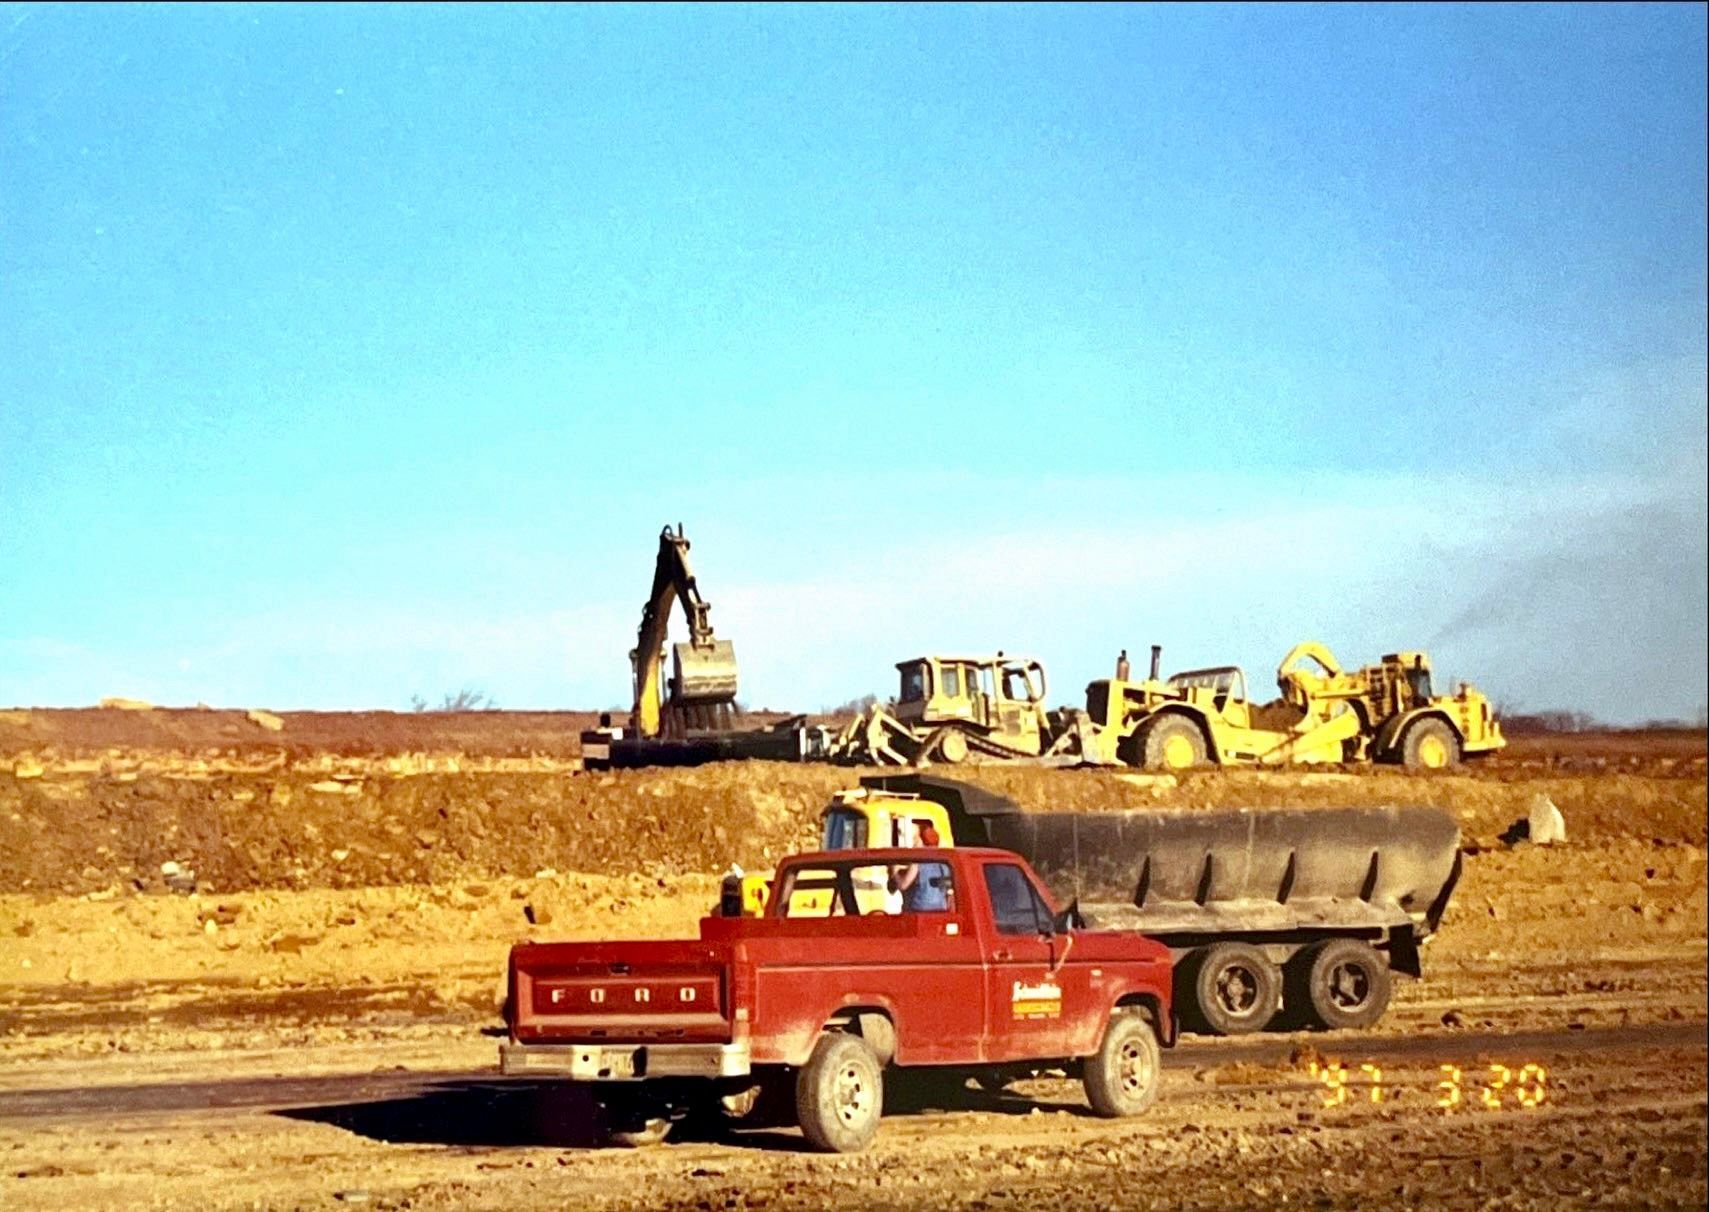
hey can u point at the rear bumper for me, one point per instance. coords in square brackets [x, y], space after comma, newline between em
[625, 1062]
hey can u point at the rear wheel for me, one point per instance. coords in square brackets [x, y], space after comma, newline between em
[1235, 988]
[1172, 742]
[636, 1134]
[1341, 984]
[1430, 745]
[1121, 1078]
[839, 1094]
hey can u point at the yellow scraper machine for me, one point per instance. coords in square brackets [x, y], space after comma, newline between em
[1387, 712]
[694, 718]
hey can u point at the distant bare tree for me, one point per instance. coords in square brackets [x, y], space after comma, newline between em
[853, 706]
[466, 699]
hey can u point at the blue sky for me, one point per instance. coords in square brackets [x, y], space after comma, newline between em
[348, 353]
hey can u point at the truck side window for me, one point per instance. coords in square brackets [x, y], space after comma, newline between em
[1014, 905]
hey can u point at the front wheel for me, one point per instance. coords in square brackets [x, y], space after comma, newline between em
[1122, 1077]
[1430, 745]
[839, 1094]
[1172, 742]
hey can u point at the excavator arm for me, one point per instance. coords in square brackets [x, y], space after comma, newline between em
[706, 667]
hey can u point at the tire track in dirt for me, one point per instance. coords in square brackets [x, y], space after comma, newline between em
[272, 1093]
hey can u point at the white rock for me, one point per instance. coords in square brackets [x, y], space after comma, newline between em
[1547, 824]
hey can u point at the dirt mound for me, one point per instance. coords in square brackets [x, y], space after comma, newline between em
[297, 829]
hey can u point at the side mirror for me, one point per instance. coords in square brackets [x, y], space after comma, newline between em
[1070, 918]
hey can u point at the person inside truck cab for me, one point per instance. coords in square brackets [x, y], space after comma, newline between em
[924, 886]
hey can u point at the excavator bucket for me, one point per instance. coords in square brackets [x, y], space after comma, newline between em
[703, 673]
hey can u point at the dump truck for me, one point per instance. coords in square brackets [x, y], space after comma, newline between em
[1387, 712]
[997, 982]
[955, 708]
[1273, 916]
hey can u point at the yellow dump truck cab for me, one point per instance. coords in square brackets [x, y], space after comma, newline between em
[858, 818]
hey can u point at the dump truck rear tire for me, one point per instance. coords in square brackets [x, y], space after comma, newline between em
[1233, 988]
[1121, 1078]
[1340, 984]
[1430, 744]
[1172, 742]
[839, 1094]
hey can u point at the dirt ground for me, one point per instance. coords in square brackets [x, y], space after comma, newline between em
[292, 1014]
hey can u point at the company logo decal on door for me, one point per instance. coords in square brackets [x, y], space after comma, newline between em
[1043, 1000]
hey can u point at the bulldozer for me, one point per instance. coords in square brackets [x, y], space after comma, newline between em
[1387, 712]
[1290, 916]
[954, 709]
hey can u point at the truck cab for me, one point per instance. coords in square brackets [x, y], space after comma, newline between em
[827, 996]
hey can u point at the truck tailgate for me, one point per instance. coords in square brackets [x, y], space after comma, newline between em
[620, 992]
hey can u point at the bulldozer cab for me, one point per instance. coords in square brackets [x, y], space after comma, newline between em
[1002, 695]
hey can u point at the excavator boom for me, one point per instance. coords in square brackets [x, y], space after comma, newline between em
[704, 669]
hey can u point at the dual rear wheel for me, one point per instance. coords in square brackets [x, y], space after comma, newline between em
[1236, 988]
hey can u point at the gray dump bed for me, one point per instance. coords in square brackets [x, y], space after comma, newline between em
[1205, 873]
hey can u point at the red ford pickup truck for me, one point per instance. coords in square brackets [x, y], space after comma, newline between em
[983, 976]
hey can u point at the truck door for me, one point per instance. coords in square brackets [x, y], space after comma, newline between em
[1031, 1008]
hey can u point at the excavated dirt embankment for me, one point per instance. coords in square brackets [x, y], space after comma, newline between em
[92, 833]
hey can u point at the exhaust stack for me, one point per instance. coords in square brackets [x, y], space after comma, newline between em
[1156, 661]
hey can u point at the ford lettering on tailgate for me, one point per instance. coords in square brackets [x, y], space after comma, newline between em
[673, 997]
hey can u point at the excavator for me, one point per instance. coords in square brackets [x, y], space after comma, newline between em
[702, 692]
[692, 717]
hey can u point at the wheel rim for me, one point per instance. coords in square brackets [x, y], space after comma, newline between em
[854, 1095]
[1237, 990]
[1432, 752]
[1349, 985]
[1133, 1067]
[953, 748]
[1178, 752]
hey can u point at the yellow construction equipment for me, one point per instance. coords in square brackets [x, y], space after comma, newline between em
[954, 709]
[702, 692]
[1387, 712]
